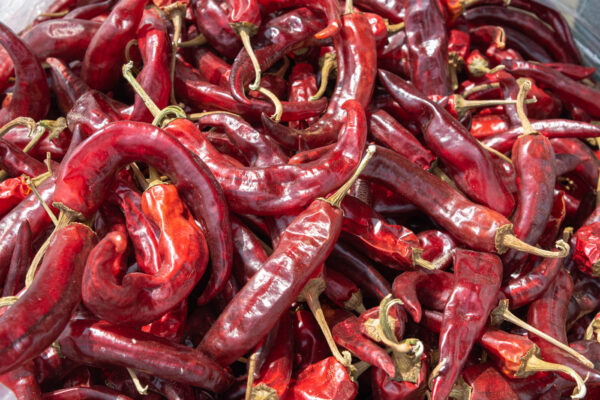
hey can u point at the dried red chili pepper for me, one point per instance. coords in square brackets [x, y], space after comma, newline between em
[302, 85]
[12, 191]
[326, 379]
[589, 163]
[66, 85]
[477, 282]
[329, 8]
[573, 71]
[436, 244]
[530, 286]
[292, 263]
[213, 22]
[92, 341]
[427, 47]
[386, 388]
[44, 309]
[106, 52]
[416, 287]
[484, 381]
[90, 11]
[369, 322]
[90, 112]
[310, 344]
[93, 393]
[392, 10]
[19, 263]
[356, 58]
[556, 219]
[342, 291]
[476, 177]
[31, 95]
[21, 383]
[16, 162]
[394, 56]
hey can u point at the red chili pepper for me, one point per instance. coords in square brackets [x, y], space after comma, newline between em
[92, 393]
[310, 344]
[31, 97]
[327, 379]
[106, 52]
[484, 381]
[392, 10]
[477, 282]
[21, 383]
[530, 286]
[342, 291]
[416, 287]
[328, 7]
[302, 85]
[170, 326]
[92, 341]
[213, 68]
[427, 47]
[588, 165]
[356, 59]
[153, 41]
[556, 219]
[484, 126]
[257, 195]
[90, 11]
[248, 253]
[212, 20]
[369, 321]
[389, 132]
[12, 191]
[16, 162]
[19, 263]
[386, 388]
[91, 112]
[66, 85]
[42, 312]
[474, 174]
[573, 71]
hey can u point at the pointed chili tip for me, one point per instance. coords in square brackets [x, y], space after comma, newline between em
[332, 29]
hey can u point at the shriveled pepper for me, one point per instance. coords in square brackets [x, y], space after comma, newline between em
[327, 379]
[12, 191]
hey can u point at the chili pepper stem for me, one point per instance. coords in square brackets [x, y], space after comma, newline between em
[524, 86]
[505, 239]
[42, 202]
[454, 62]
[386, 333]
[502, 313]
[139, 177]
[263, 392]
[480, 67]
[143, 390]
[130, 44]
[417, 260]
[336, 199]
[394, 28]
[280, 73]
[310, 295]
[8, 301]
[58, 14]
[175, 12]
[535, 364]
[276, 102]
[479, 88]
[329, 64]
[462, 104]
[26, 121]
[359, 368]
[251, 371]
[593, 329]
[161, 118]
[196, 41]
[139, 90]
[355, 303]
[349, 7]
[244, 33]
[495, 152]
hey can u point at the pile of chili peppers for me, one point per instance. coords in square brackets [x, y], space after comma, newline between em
[282, 199]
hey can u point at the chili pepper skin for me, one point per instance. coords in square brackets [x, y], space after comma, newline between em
[91, 112]
[212, 67]
[66, 85]
[248, 253]
[143, 298]
[91, 341]
[389, 132]
[190, 86]
[436, 244]
[154, 78]
[530, 286]
[45, 308]
[573, 71]
[212, 21]
[487, 383]
[104, 56]
[567, 89]
[451, 142]
[328, 7]
[586, 249]
[341, 291]
[555, 221]
[92, 393]
[20, 383]
[427, 47]
[90, 11]
[298, 184]
[326, 379]
[16, 162]
[302, 85]
[19, 263]
[12, 191]
[589, 163]
[393, 10]
[416, 287]
[484, 126]
[31, 97]
[357, 61]
[386, 388]
[552, 128]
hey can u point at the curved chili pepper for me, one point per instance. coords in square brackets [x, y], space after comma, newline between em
[394, 56]
[248, 253]
[474, 174]
[12, 191]
[190, 86]
[154, 78]
[329, 8]
[436, 244]
[44, 309]
[21, 383]
[356, 58]
[91, 112]
[369, 321]
[298, 184]
[31, 97]
[90, 11]
[329, 378]
[510, 90]
[106, 52]
[212, 20]
[81, 186]
[342, 291]
[389, 132]
[92, 341]
[552, 128]
[427, 47]
[391, 9]
[16, 162]
[92, 393]
[66, 85]
[477, 282]
[589, 163]
[142, 298]
[19, 263]
[530, 286]
[310, 344]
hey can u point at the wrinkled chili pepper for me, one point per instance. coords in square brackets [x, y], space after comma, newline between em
[302, 85]
[327, 378]
[16, 162]
[90, 11]
[436, 244]
[342, 291]
[310, 345]
[416, 287]
[384, 387]
[212, 21]
[328, 7]
[12, 191]
[530, 286]
[66, 85]
[476, 177]
[390, 9]
[484, 381]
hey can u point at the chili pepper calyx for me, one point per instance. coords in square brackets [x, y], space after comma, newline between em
[251, 371]
[263, 392]
[535, 364]
[355, 303]
[461, 390]
[593, 329]
[198, 40]
[505, 239]
[417, 260]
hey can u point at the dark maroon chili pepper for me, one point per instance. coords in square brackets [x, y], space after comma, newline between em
[90, 11]
[91, 341]
[427, 47]
[555, 221]
[357, 60]
[394, 56]
[510, 90]
[488, 35]
[29, 210]
[477, 282]
[45, 308]
[30, 97]
[389, 132]
[305, 156]
[16, 162]
[573, 71]
[200, 94]
[347, 334]
[103, 59]
[153, 41]
[449, 140]
[83, 392]
[530, 286]
[552, 128]
[436, 244]
[416, 287]
[525, 46]
[330, 8]
[21, 383]
[91, 112]
[66, 85]
[310, 344]
[360, 270]
[19, 263]
[259, 150]
[567, 89]
[391, 9]
[212, 21]
[589, 163]
[261, 198]
[248, 253]
[342, 291]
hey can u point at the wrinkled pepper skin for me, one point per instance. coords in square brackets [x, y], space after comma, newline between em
[416, 287]
[530, 286]
[327, 379]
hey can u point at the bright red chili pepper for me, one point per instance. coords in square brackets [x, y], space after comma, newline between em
[327, 379]
[12, 191]
[342, 291]
[302, 85]
[416, 287]
[436, 244]
[391, 9]
[530, 286]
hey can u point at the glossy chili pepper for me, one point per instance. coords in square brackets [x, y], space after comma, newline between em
[171, 324]
[484, 126]
[90, 11]
[552, 128]
[436, 244]
[391, 9]
[510, 90]
[357, 61]
[416, 287]
[310, 344]
[567, 89]
[589, 163]
[530, 286]
[106, 52]
[384, 387]
[66, 85]
[326, 379]
[555, 221]
[342, 291]
[427, 47]
[16, 162]
[21, 383]
[93, 393]
[31, 95]
[92, 341]
[44, 309]
[302, 85]
[295, 259]
[190, 86]
[12, 191]
[19, 263]
[459, 43]
[476, 177]
[586, 248]
[214, 69]
[90, 112]
[329, 8]
[154, 78]
[212, 21]
[80, 376]
[304, 181]
[248, 253]
[67, 40]
[389, 132]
